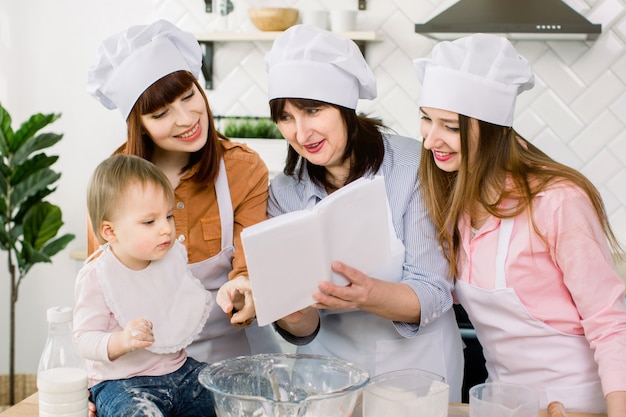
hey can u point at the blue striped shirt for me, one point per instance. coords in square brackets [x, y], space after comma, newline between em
[425, 268]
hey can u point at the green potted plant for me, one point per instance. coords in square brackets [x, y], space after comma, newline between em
[28, 223]
[252, 128]
[262, 135]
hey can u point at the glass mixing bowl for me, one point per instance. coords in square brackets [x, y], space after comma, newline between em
[284, 385]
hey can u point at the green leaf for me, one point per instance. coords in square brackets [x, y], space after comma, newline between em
[29, 128]
[5, 238]
[16, 233]
[37, 163]
[41, 223]
[4, 186]
[4, 168]
[31, 201]
[5, 175]
[57, 245]
[29, 256]
[32, 185]
[34, 144]
[6, 133]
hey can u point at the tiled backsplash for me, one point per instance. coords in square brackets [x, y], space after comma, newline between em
[576, 112]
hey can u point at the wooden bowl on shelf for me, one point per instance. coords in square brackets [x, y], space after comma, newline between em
[273, 19]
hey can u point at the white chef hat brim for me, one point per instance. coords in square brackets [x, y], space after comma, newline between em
[294, 80]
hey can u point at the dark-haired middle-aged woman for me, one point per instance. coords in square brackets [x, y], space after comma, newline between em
[400, 316]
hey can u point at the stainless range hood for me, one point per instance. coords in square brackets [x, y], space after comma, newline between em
[516, 19]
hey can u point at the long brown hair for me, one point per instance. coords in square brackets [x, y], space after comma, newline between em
[365, 148]
[504, 155]
[158, 95]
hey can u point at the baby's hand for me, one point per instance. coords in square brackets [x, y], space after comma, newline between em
[137, 334]
[235, 298]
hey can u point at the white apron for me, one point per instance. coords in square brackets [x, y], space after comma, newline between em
[523, 350]
[374, 342]
[219, 339]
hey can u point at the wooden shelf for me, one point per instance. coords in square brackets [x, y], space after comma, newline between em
[207, 40]
[366, 36]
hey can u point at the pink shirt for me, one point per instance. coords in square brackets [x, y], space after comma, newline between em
[570, 283]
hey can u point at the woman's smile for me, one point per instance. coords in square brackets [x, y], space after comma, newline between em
[443, 156]
[315, 147]
[191, 134]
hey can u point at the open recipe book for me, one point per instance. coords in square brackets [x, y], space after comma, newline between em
[288, 255]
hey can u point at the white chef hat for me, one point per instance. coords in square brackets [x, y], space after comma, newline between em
[308, 62]
[478, 76]
[131, 61]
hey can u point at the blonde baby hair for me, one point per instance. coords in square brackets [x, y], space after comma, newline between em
[112, 178]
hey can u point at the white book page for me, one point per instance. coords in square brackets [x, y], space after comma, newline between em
[357, 226]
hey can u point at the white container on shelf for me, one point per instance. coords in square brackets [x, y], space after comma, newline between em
[343, 20]
[317, 18]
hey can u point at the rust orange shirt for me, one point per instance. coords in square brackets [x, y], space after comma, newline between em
[196, 212]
